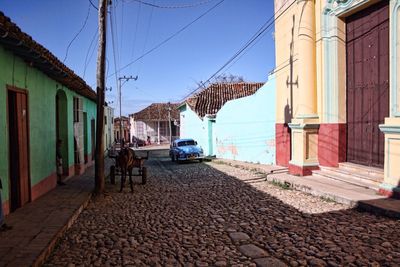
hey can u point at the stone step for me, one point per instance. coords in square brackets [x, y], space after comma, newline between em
[347, 178]
[371, 173]
[345, 173]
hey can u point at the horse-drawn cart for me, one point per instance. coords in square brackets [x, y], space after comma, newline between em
[138, 162]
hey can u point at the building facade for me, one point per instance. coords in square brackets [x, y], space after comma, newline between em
[41, 101]
[337, 89]
[108, 127]
[125, 127]
[155, 123]
[198, 112]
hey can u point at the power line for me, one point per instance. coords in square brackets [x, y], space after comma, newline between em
[173, 7]
[91, 53]
[77, 34]
[259, 33]
[91, 3]
[114, 47]
[136, 29]
[170, 37]
[147, 36]
[122, 29]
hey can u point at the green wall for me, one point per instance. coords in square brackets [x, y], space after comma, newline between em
[90, 108]
[42, 92]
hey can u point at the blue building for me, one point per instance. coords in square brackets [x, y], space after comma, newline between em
[245, 127]
[198, 112]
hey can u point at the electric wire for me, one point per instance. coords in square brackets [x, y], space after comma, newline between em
[136, 30]
[87, 60]
[95, 7]
[122, 29]
[114, 50]
[172, 7]
[146, 38]
[255, 36]
[77, 34]
[170, 37]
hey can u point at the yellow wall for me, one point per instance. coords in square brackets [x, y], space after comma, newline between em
[284, 26]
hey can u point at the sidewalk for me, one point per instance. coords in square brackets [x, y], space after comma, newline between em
[339, 191]
[38, 225]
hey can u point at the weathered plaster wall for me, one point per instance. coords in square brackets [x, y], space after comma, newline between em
[91, 110]
[194, 127]
[245, 127]
[42, 117]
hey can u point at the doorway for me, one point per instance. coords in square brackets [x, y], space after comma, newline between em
[62, 128]
[93, 136]
[367, 48]
[85, 137]
[18, 133]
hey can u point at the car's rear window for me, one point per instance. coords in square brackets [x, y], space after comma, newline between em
[186, 143]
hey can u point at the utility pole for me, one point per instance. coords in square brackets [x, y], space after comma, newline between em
[125, 79]
[169, 123]
[101, 62]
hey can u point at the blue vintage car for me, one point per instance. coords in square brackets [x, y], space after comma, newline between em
[185, 149]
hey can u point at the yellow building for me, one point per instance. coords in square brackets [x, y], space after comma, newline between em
[337, 90]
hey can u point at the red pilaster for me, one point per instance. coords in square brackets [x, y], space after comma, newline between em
[301, 170]
[394, 193]
[282, 134]
[332, 144]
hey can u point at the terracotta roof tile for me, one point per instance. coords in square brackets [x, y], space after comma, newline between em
[210, 100]
[21, 44]
[157, 112]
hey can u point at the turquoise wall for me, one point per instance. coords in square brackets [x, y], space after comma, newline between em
[192, 126]
[42, 92]
[245, 127]
[91, 110]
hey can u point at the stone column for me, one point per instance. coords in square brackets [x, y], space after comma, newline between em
[391, 183]
[306, 103]
[304, 126]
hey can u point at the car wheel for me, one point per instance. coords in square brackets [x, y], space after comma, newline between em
[172, 157]
[176, 159]
[200, 160]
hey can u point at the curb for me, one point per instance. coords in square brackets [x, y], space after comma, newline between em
[292, 185]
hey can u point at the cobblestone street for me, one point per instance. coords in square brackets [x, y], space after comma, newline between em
[209, 214]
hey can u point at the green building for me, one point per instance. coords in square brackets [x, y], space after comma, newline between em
[41, 100]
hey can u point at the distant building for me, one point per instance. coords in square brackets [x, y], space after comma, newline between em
[41, 101]
[108, 127]
[154, 123]
[126, 127]
[198, 112]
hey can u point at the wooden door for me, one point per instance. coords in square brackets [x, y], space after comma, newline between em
[18, 148]
[367, 51]
[93, 136]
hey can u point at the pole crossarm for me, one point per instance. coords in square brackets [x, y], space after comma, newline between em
[121, 81]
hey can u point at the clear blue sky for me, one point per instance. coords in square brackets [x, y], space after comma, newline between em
[170, 72]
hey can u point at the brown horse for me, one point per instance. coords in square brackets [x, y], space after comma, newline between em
[126, 162]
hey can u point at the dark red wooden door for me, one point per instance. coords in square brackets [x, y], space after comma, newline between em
[367, 51]
[19, 148]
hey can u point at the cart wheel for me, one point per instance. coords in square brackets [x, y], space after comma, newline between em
[144, 175]
[112, 174]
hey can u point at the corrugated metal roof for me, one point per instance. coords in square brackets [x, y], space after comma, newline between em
[21, 44]
[157, 112]
[210, 100]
